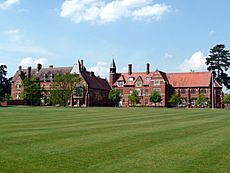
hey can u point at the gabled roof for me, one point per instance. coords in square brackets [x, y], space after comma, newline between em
[142, 75]
[95, 82]
[190, 79]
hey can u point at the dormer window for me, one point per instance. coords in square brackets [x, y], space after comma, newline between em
[131, 79]
[51, 77]
[120, 83]
[148, 78]
[138, 83]
[44, 77]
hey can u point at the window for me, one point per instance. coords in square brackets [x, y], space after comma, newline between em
[51, 77]
[120, 83]
[146, 92]
[121, 92]
[78, 92]
[148, 78]
[18, 86]
[182, 91]
[138, 84]
[156, 82]
[218, 92]
[18, 95]
[157, 90]
[130, 79]
[44, 77]
[193, 91]
[203, 91]
[146, 101]
[139, 92]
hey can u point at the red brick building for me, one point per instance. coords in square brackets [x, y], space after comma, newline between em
[94, 90]
[188, 86]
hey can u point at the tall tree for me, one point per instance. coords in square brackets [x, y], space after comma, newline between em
[155, 97]
[115, 96]
[4, 82]
[31, 90]
[218, 61]
[63, 87]
[134, 98]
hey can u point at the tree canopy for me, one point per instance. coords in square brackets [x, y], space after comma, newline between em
[218, 61]
[115, 96]
[31, 90]
[201, 101]
[155, 97]
[175, 99]
[134, 98]
[63, 87]
[226, 99]
[4, 83]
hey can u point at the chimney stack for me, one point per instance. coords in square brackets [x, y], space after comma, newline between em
[29, 72]
[130, 69]
[82, 64]
[39, 67]
[20, 68]
[147, 68]
[91, 73]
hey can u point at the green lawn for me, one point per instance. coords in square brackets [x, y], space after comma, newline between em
[114, 140]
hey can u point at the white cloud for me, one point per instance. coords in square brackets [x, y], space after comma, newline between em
[102, 11]
[26, 62]
[14, 35]
[101, 69]
[8, 4]
[195, 62]
[153, 12]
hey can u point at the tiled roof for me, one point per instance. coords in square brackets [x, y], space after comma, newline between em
[53, 70]
[142, 75]
[95, 82]
[190, 79]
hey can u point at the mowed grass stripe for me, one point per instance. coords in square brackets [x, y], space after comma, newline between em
[108, 143]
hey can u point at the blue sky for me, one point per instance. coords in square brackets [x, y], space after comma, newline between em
[171, 35]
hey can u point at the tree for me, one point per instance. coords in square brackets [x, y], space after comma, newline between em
[115, 96]
[201, 101]
[155, 97]
[134, 98]
[63, 87]
[226, 99]
[175, 99]
[4, 83]
[218, 61]
[31, 90]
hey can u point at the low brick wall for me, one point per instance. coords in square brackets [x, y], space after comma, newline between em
[227, 106]
[3, 104]
[16, 102]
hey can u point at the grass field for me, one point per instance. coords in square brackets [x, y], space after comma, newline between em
[115, 140]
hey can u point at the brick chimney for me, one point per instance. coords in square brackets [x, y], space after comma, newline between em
[29, 72]
[147, 68]
[82, 64]
[20, 68]
[39, 67]
[130, 69]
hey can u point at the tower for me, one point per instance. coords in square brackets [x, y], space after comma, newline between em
[112, 75]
